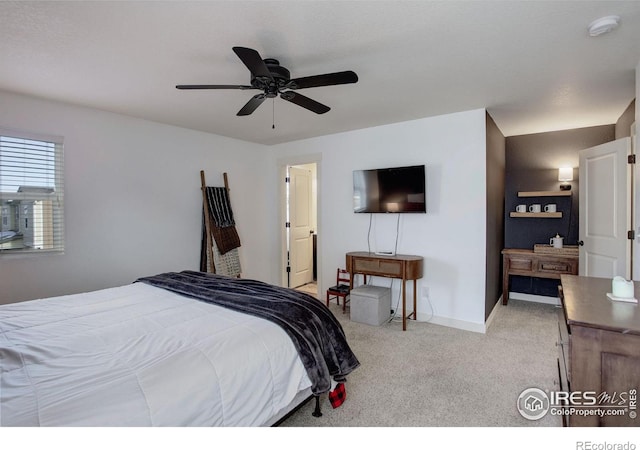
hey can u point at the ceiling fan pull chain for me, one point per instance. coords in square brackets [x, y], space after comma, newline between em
[273, 113]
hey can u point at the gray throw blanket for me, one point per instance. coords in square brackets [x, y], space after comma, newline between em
[314, 330]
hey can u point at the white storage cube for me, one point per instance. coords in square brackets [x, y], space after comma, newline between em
[370, 304]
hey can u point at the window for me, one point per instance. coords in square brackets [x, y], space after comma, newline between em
[31, 193]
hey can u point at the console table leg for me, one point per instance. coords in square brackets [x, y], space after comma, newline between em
[404, 307]
[505, 286]
[415, 300]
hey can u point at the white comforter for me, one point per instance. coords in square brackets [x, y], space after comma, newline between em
[138, 355]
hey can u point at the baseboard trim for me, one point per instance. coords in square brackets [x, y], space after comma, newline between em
[453, 323]
[534, 298]
[483, 327]
[493, 314]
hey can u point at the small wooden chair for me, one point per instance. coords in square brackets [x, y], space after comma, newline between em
[341, 289]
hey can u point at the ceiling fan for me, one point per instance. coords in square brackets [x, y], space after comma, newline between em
[268, 76]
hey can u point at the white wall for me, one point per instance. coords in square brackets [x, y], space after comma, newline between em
[133, 200]
[133, 203]
[451, 236]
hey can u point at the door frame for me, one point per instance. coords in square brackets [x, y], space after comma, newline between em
[301, 194]
[283, 163]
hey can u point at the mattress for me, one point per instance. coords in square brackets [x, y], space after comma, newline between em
[138, 355]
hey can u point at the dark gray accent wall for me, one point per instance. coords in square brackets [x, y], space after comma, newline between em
[623, 125]
[495, 214]
[532, 163]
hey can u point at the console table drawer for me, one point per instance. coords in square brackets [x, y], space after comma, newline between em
[556, 267]
[378, 266]
[521, 264]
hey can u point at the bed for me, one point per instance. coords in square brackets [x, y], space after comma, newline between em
[175, 349]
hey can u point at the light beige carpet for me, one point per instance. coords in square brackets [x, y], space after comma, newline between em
[309, 288]
[436, 376]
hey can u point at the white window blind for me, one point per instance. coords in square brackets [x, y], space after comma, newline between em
[31, 193]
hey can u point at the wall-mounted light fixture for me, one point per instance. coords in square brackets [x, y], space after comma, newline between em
[565, 174]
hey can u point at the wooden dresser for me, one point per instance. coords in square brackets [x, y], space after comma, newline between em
[599, 348]
[404, 267]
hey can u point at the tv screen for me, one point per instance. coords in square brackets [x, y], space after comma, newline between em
[391, 190]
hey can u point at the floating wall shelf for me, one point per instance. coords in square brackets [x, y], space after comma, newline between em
[544, 194]
[540, 215]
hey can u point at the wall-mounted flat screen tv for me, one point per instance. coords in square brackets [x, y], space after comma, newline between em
[391, 190]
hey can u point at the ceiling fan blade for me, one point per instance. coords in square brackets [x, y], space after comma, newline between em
[212, 86]
[253, 61]
[251, 105]
[305, 102]
[328, 79]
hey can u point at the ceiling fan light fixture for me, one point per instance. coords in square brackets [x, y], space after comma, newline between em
[603, 25]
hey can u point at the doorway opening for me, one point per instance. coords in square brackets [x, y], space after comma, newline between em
[301, 228]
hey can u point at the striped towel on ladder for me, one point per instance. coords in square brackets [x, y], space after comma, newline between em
[225, 239]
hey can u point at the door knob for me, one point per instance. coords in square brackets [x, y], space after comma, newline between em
[580, 243]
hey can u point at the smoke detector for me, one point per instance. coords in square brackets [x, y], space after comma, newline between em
[603, 25]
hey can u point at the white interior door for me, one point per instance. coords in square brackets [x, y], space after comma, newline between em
[605, 217]
[300, 229]
[635, 210]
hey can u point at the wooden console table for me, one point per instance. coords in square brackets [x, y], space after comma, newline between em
[404, 267]
[524, 262]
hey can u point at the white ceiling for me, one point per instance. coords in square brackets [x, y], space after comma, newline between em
[530, 63]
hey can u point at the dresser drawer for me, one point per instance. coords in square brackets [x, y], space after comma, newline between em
[383, 267]
[564, 359]
[564, 346]
[564, 386]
